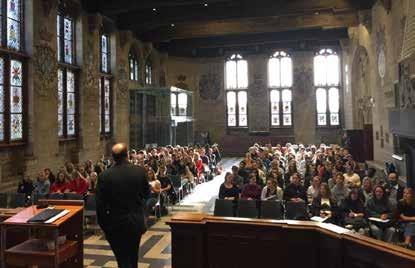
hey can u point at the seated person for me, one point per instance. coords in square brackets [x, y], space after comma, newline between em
[295, 191]
[227, 189]
[351, 179]
[251, 190]
[353, 209]
[167, 189]
[366, 191]
[93, 177]
[271, 191]
[61, 184]
[393, 189]
[314, 189]
[42, 185]
[155, 188]
[339, 191]
[237, 180]
[78, 184]
[26, 186]
[378, 206]
[324, 205]
[406, 212]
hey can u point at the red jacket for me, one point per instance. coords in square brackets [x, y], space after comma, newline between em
[59, 187]
[79, 186]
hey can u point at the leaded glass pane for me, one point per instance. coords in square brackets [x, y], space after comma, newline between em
[333, 70]
[13, 9]
[321, 98]
[136, 70]
[182, 103]
[275, 96]
[231, 74]
[275, 120]
[16, 127]
[67, 29]
[173, 103]
[16, 100]
[334, 100]
[16, 77]
[60, 125]
[68, 51]
[60, 80]
[334, 119]
[321, 119]
[13, 34]
[286, 95]
[320, 72]
[104, 62]
[1, 126]
[274, 72]
[242, 101]
[1, 70]
[70, 83]
[286, 72]
[232, 120]
[71, 124]
[104, 40]
[107, 123]
[60, 102]
[58, 26]
[242, 74]
[1, 99]
[243, 121]
[231, 102]
[287, 120]
[70, 102]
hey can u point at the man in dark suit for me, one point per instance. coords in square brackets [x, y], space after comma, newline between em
[120, 192]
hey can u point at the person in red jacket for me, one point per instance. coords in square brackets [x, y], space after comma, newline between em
[78, 185]
[61, 184]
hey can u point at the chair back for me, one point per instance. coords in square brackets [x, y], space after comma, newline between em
[271, 210]
[36, 197]
[17, 200]
[247, 208]
[295, 210]
[73, 196]
[90, 203]
[3, 200]
[224, 208]
[57, 196]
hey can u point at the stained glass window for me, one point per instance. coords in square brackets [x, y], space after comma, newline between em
[173, 104]
[65, 35]
[133, 65]
[280, 80]
[14, 24]
[149, 73]
[236, 82]
[182, 104]
[105, 99]
[105, 53]
[2, 110]
[327, 83]
[16, 100]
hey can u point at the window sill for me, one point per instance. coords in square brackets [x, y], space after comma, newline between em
[67, 140]
[328, 127]
[281, 127]
[12, 144]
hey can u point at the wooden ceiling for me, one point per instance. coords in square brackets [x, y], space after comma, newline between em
[197, 23]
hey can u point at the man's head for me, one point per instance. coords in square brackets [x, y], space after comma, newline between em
[119, 152]
[393, 178]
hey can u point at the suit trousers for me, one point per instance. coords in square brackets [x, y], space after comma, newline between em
[125, 245]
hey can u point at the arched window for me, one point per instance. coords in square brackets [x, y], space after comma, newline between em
[67, 75]
[327, 85]
[133, 64]
[236, 82]
[12, 79]
[105, 88]
[280, 80]
[149, 73]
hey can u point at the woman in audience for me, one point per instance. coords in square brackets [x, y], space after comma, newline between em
[26, 186]
[251, 190]
[294, 191]
[167, 189]
[292, 169]
[155, 187]
[61, 184]
[78, 184]
[324, 205]
[380, 215]
[353, 209]
[351, 179]
[81, 169]
[314, 189]
[92, 181]
[340, 191]
[406, 212]
[227, 189]
[49, 175]
[42, 185]
[271, 191]
[366, 191]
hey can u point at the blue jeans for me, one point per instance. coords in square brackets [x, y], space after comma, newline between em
[409, 229]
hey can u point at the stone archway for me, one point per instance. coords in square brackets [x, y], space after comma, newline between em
[361, 89]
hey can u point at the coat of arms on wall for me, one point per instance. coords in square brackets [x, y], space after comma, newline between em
[181, 82]
[45, 65]
[209, 86]
[303, 79]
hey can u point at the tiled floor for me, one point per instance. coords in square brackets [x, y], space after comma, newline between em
[155, 246]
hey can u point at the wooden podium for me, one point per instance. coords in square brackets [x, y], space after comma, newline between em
[34, 251]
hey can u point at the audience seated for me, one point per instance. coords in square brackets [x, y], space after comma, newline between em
[353, 209]
[42, 184]
[406, 214]
[393, 189]
[227, 189]
[295, 191]
[324, 205]
[26, 186]
[271, 191]
[78, 184]
[251, 190]
[61, 185]
[339, 190]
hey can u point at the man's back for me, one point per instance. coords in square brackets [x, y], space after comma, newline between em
[120, 193]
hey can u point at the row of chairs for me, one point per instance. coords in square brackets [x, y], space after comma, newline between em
[267, 209]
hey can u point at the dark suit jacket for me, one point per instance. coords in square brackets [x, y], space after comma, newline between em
[120, 195]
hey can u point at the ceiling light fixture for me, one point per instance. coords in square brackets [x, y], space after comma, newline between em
[172, 25]
[154, 9]
[316, 13]
[205, 4]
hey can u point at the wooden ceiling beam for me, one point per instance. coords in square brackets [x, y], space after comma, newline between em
[193, 30]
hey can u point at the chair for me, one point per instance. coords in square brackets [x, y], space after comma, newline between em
[56, 196]
[17, 200]
[224, 208]
[247, 208]
[177, 185]
[90, 206]
[271, 210]
[295, 210]
[3, 200]
[37, 197]
[73, 196]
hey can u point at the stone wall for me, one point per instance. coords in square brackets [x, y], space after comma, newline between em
[43, 147]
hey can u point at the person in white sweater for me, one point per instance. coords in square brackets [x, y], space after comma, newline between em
[271, 191]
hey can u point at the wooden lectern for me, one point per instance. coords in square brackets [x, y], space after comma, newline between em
[34, 251]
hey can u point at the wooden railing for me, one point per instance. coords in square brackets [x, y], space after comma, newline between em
[199, 240]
